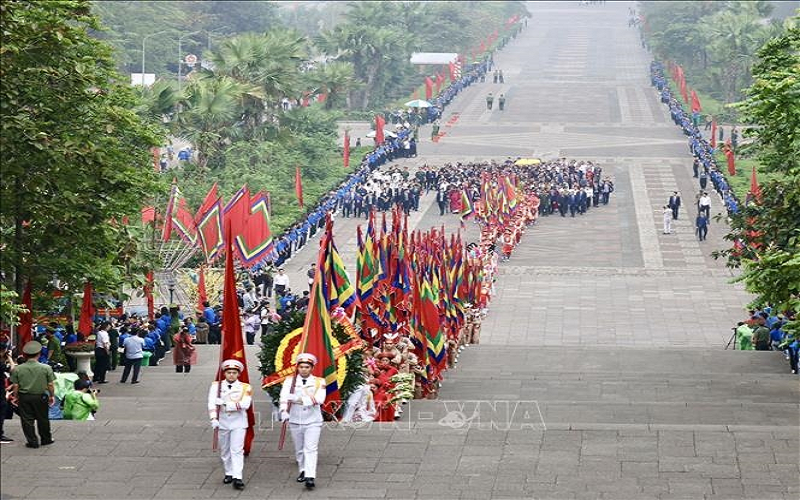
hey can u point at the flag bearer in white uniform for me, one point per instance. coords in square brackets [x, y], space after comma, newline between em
[227, 408]
[301, 397]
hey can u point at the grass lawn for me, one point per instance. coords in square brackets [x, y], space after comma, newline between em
[740, 183]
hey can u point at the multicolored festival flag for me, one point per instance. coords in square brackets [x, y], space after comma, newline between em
[317, 330]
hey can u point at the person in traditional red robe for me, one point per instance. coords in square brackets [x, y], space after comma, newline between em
[184, 354]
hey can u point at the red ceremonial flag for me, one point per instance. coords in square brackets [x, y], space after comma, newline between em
[731, 160]
[380, 123]
[201, 288]
[415, 95]
[321, 98]
[304, 101]
[255, 240]
[87, 311]
[148, 215]
[317, 331]
[428, 88]
[183, 223]
[208, 221]
[482, 48]
[714, 133]
[174, 194]
[236, 212]
[696, 102]
[298, 186]
[25, 327]
[148, 294]
[755, 189]
[452, 67]
[346, 149]
[232, 346]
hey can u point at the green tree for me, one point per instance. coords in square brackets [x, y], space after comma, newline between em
[76, 157]
[336, 79]
[768, 231]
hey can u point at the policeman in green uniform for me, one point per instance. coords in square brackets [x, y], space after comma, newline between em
[32, 384]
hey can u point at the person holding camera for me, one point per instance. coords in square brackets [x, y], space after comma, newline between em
[33, 387]
[82, 402]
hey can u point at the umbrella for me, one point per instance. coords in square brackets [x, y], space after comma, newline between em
[524, 162]
[418, 103]
[386, 133]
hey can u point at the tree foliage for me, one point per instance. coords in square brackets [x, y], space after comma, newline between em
[770, 229]
[715, 42]
[76, 158]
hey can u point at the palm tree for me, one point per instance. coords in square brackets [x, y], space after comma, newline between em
[734, 37]
[336, 79]
[160, 100]
[214, 109]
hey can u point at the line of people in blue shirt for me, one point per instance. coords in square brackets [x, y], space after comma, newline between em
[698, 145]
[297, 235]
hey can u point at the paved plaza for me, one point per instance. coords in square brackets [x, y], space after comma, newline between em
[601, 372]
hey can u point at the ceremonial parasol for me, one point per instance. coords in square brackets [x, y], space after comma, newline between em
[386, 133]
[418, 103]
[525, 162]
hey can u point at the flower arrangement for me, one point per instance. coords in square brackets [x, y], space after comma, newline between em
[79, 347]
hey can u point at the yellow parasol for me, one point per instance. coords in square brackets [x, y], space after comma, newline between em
[525, 162]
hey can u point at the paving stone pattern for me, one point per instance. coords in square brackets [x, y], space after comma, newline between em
[601, 373]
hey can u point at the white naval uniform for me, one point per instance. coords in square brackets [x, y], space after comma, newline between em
[305, 419]
[237, 397]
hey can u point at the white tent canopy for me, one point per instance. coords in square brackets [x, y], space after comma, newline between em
[433, 57]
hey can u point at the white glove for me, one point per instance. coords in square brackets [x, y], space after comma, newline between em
[284, 416]
[214, 423]
[219, 402]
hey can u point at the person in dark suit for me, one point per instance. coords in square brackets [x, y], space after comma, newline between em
[573, 203]
[675, 204]
[441, 200]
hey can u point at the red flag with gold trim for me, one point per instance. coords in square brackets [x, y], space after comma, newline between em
[232, 346]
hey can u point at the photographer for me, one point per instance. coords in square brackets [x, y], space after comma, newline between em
[81, 403]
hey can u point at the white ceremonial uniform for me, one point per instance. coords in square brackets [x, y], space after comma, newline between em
[236, 398]
[305, 419]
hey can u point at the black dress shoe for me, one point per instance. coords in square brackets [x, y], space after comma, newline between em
[238, 484]
[45, 443]
[32, 445]
[302, 477]
[227, 480]
[310, 483]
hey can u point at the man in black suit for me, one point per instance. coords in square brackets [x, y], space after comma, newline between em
[675, 204]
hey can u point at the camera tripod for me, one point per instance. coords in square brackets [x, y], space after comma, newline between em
[732, 340]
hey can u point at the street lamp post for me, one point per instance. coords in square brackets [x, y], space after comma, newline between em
[171, 288]
[143, 46]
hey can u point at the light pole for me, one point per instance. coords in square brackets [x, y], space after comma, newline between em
[180, 56]
[143, 42]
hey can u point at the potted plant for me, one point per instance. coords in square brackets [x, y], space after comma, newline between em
[83, 352]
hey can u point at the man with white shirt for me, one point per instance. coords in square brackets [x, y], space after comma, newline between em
[281, 282]
[228, 401]
[102, 353]
[301, 397]
[705, 205]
